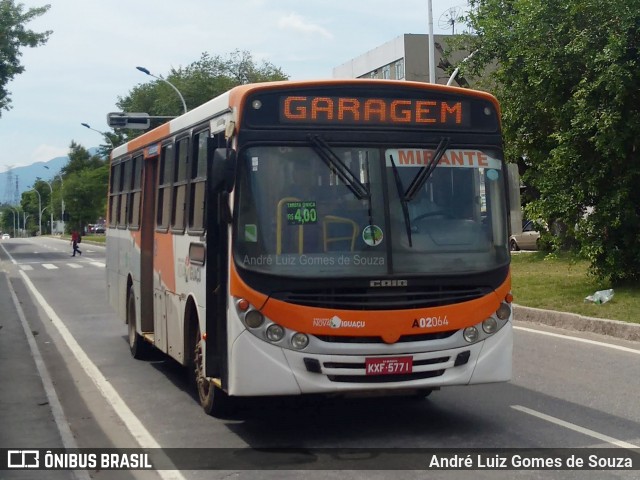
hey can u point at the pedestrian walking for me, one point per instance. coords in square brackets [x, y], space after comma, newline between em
[75, 240]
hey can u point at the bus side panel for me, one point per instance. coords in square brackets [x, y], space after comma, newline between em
[190, 282]
[114, 288]
[121, 257]
[163, 286]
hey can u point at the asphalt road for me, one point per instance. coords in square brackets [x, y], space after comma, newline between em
[565, 393]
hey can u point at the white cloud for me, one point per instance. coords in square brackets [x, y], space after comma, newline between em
[296, 22]
[86, 65]
[43, 153]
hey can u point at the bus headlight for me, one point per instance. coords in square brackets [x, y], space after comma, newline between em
[504, 311]
[299, 341]
[253, 319]
[470, 334]
[275, 332]
[490, 325]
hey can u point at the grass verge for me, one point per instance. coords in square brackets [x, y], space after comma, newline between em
[561, 282]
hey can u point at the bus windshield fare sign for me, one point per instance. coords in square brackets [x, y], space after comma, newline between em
[374, 111]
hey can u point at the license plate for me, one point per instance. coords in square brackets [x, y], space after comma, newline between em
[388, 365]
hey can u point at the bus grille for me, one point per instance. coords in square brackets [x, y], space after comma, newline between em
[382, 299]
[385, 378]
[353, 370]
[404, 338]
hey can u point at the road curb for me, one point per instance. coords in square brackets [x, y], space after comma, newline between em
[572, 321]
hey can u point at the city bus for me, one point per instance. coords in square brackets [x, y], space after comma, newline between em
[340, 237]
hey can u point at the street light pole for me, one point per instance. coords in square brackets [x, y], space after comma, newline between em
[457, 70]
[101, 133]
[39, 211]
[61, 198]
[144, 70]
[432, 53]
[15, 214]
[51, 207]
[24, 222]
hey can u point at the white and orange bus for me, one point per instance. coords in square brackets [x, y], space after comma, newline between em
[326, 237]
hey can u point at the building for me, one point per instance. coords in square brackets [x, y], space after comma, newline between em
[407, 58]
[404, 58]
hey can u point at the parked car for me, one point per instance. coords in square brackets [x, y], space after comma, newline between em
[6, 236]
[97, 228]
[527, 240]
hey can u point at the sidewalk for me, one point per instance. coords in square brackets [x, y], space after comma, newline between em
[26, 415]
[580, 323]
[26, 419]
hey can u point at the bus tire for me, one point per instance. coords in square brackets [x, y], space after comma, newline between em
[214, 401]
[137, 346]
[421, 394]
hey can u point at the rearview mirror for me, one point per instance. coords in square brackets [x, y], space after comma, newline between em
[223, 169]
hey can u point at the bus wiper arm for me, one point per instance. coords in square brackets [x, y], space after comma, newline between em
[425, 172]
[403, 200]
[334, 162]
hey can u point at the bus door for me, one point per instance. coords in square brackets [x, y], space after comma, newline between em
[147, 227]
[162, 264]
[221, 167]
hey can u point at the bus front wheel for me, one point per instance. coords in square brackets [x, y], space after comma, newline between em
[213, 399]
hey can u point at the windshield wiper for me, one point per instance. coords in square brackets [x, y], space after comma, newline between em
[403, 199]
[425, 172]
[334, 163]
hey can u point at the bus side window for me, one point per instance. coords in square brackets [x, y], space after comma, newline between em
[180, 186]
[116, 172]
[136, 192]
[165, 173]
[198, 175]
[125, 187]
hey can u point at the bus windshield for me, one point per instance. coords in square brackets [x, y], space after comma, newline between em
[357, 211]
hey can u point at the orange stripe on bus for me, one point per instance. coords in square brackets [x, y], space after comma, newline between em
[163, 262]
[388, 324]
[155, 135]
[239, 289]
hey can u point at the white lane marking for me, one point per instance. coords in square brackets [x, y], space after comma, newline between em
[74, 265]
[68, 440]
[574, 427]
[49, 266]
[577, 339]
[135, 426]
[26, 268]
[98, 264]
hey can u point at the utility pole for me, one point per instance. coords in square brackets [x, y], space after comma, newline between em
[432, 53]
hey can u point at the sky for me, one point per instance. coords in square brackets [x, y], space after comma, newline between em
[91, 57]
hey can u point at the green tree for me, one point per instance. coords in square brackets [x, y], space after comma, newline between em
[14, 36]
[29, 203]
[80, 159]
[568, 76]
[198, 83]
[8, 219]
[86, 178]
[86, 195]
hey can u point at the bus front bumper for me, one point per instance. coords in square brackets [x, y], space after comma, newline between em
[259, 368]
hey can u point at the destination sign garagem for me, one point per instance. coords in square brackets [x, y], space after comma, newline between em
[309, 109]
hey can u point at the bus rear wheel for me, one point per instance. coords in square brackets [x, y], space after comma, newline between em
[214, 400]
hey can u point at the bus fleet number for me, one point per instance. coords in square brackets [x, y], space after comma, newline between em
[430, 322]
